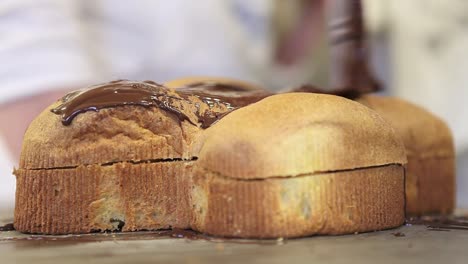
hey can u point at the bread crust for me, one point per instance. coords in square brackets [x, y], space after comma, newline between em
[84, 177]
[430, 182]
[299, 164]
[344, 202]
[127, 133]
[298, 133]
[430, 186]
[122, 196]
[423, 134]
[120, 168]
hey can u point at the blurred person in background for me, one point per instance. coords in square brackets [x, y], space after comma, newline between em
[420, 51]
[49, 47]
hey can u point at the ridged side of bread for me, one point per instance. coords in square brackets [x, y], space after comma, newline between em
[122, 196]
[299, 164]
[430, 187]
[327, 203]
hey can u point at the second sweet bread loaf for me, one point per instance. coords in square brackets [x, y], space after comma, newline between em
[298, 164]
[116, 156]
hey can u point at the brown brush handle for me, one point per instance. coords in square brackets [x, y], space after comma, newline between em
[348, 53]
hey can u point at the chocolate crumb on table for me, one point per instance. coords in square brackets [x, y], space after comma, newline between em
[7, 227]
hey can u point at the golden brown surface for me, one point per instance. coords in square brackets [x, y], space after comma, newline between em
[76, 178]
[299, 133]
[299, 164]
[430, 182]
[129, 133]
[423, 133]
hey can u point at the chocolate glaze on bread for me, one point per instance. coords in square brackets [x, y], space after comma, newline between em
[116, 156]
[151, 94]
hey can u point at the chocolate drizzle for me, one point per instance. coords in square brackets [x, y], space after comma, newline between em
[33, 240]
[215, 86]
[440, 223]
[183, 103]
[232, 96]
[348, 50]
[117, 93]
[308, 88]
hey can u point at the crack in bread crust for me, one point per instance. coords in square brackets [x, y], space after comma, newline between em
[331, 203]
[117, 162]
[122, 196]
[315, 173]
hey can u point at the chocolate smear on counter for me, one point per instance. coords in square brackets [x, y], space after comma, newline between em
[398, 234]
[440, 223]
[7, 227]
[151, 94]
[33, 240]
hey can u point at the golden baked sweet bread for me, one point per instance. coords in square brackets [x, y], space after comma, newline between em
[115, 157]
[430, 174]
[299, 164]
[122, 155]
